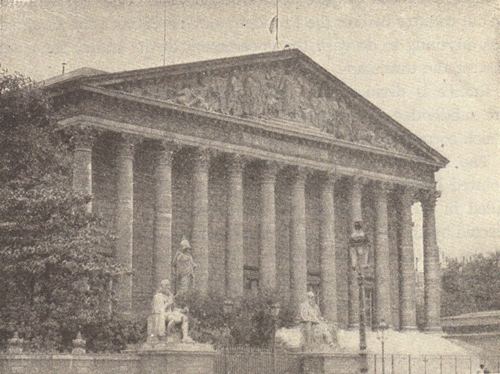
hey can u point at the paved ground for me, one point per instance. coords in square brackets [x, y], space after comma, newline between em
[414, 343]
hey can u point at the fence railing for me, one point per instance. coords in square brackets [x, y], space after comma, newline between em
[431, 364]
[264, 361]
[255, 361]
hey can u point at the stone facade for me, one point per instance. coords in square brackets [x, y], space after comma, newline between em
[263, 162]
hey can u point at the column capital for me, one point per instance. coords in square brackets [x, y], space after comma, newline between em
[270, 169]
[128, 144]
[300, 173]
[82, 136]
[410, 193]
[384, 186]
[428, 198]
[168, 145]
[331, 177]
[237, 162]
[360, 179]
[203, 156]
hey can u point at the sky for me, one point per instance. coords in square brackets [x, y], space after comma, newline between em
[434, 66]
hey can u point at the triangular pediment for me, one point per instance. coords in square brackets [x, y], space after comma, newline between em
[292, 90]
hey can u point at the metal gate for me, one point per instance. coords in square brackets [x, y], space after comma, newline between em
[249, 360]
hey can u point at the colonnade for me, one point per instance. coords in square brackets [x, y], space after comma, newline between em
[82, 178]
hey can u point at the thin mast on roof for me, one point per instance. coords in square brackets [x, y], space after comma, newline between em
[164, 31]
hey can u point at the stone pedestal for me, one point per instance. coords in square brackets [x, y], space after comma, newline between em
[159, 358]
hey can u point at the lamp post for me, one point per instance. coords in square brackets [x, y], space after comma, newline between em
[275, 311]
[358, 241]
[382, 326]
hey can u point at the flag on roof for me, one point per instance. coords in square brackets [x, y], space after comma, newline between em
[273, 25]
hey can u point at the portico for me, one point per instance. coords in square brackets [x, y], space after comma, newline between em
[265, 169]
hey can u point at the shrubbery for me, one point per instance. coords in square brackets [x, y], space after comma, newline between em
[250, 322]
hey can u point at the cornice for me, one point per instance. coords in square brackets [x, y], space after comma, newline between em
[188, 140]
[288, 129]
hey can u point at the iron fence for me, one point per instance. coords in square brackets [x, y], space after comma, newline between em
[431, 364]
[266, 361]
[249, 360]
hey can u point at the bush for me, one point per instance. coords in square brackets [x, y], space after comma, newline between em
[250, 322]
[104, 333]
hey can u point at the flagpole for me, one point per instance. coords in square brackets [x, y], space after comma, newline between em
[164, 31]
[277, 25]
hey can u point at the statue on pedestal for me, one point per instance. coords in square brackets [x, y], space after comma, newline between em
[184, 268]
[166, 316]
[314, 327]
[311, 331]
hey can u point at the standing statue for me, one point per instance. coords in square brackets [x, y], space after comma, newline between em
[314, 327]
[166, 317]
[184, 268]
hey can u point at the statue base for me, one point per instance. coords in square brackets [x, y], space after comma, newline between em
[158, 357]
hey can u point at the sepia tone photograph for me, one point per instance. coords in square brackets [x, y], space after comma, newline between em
[249, 187]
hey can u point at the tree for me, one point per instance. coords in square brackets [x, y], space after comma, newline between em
[471, 286]
[54, 271]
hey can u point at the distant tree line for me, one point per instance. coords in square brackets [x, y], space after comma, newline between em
[471, 285]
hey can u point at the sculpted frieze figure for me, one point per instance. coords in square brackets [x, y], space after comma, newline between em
[272, 93]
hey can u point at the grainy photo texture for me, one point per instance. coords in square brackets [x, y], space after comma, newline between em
[254, 186]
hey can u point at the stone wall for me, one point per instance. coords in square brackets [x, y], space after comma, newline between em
[69, 364]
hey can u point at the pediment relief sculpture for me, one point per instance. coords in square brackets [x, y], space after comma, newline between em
[279, 93]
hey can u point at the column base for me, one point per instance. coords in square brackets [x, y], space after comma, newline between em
[409, 328]
[354, 326]
[437, 330]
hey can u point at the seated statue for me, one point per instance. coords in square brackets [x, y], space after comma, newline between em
[314, 327]
[166, 317]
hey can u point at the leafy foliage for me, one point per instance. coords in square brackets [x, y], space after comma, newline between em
[54, 273]
[471, 286]
[249, 323]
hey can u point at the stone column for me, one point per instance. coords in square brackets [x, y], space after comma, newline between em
[125, 220]
[82, 163]
[356, 216]
[432, 278]
[267, 266]
[162, 255]
[382, 268]
[200, 218]
[235, 255]
[407, 297]
[298, 266]
[328, 267]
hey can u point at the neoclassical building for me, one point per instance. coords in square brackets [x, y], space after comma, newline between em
[263, 162]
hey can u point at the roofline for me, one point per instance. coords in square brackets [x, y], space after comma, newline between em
[212, 64]
[226, 62]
